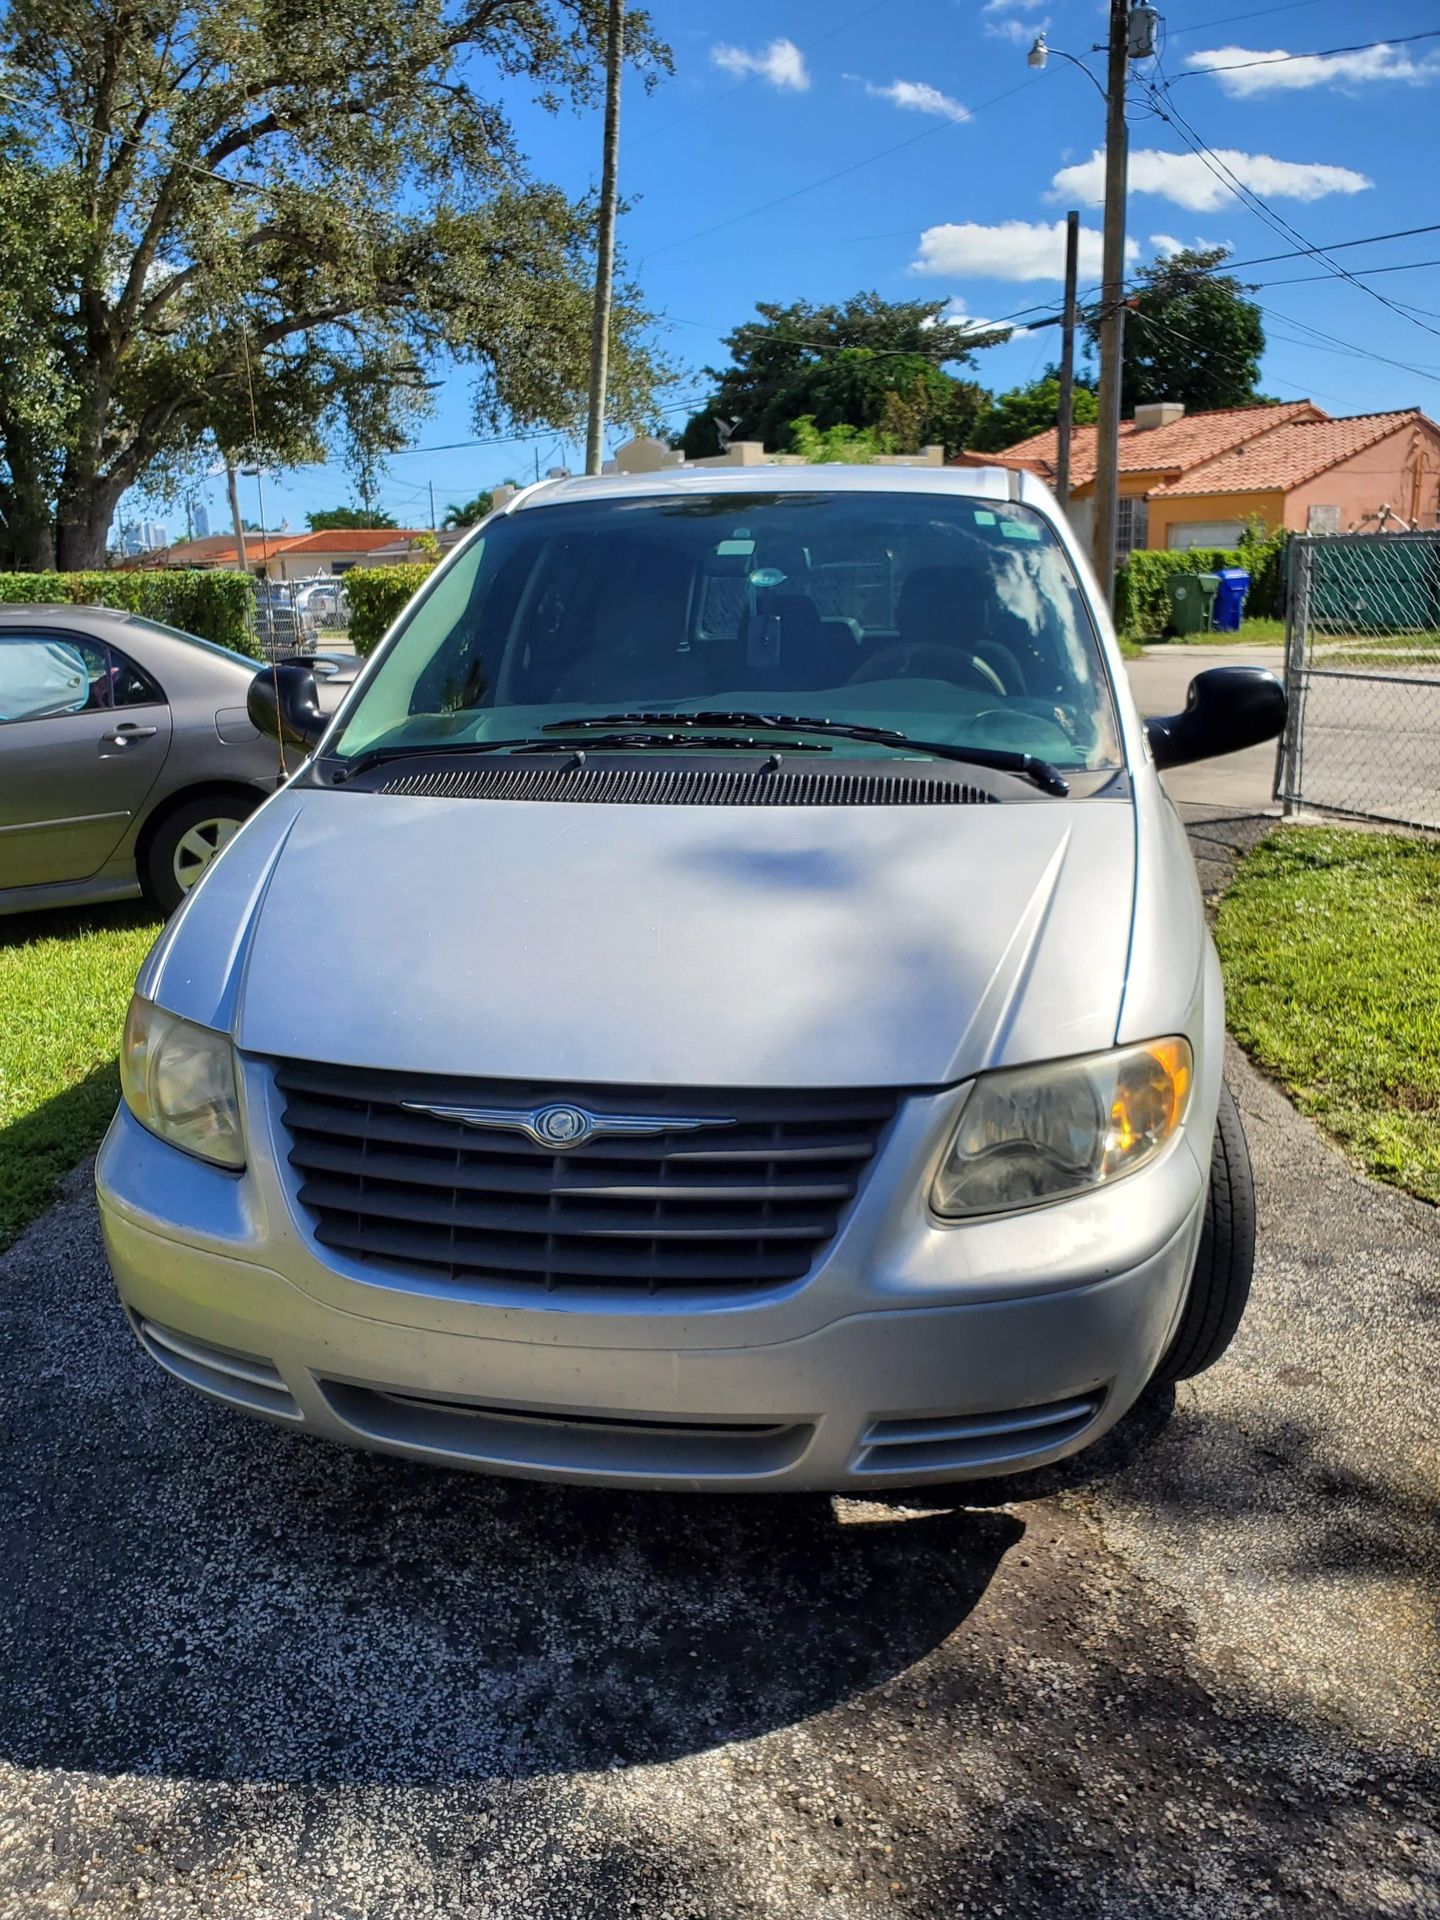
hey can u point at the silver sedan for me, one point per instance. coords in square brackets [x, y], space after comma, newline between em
[127, 759]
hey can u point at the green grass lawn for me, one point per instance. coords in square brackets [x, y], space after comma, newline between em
[65, 982]
[1251, 633]
[1331, 946]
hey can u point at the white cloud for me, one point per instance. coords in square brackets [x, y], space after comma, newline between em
[1188, 180]
[1283, 72]
[1012, 250]
[957, 315]
[1013, 20]
[1165, 244]
[920, 97]
[1020, 33]
[781, 64]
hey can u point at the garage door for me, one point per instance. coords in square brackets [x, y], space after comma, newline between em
[1206, 533]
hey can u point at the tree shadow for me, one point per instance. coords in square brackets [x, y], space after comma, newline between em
[39, 1147]
[193, 1594]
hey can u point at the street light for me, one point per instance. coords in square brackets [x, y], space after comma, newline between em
[1039, 53]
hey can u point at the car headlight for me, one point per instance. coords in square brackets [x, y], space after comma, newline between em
[1031, 1134]
[178, 1080]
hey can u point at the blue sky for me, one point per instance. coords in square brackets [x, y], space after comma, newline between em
[807, 149]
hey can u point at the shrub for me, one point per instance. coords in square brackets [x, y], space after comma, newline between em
[377, 596]
[1142, 602]
[217, 606]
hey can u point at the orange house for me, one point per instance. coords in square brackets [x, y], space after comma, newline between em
[1189, 480]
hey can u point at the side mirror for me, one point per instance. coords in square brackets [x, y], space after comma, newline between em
[1227, 708]
[282, 702]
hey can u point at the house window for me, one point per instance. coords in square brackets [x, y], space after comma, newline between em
[1132, 526]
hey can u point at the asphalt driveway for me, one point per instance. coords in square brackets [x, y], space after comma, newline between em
[1194, 1673]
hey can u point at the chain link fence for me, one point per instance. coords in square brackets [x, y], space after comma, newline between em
[1362, 669]
[296, 619]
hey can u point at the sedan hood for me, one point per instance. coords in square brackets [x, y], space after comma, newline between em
[664, 945]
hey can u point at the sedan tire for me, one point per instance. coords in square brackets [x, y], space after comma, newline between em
[184, 843]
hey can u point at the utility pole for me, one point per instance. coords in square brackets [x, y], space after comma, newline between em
[233, 485]
[1067, 360]
[605, 263]
[432, 506]
[1112, 302]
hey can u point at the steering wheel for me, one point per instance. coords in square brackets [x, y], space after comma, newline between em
[900, 662]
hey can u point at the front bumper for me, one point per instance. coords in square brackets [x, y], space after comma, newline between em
[872, 1374]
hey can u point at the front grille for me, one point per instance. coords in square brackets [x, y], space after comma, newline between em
[719, 1210]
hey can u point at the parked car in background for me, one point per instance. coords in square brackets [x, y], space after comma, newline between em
[762, 1028]
[323, 600]
[284, 625]
[127, 758]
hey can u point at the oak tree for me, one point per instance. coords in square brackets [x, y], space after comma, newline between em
[264, 228]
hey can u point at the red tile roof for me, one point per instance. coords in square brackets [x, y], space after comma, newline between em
[350, 539]
[1174, 449]
[1288, 455]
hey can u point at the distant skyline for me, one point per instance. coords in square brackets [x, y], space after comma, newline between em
[808, 150]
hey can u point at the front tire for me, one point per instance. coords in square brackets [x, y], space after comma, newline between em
[1220, 1284]
[187, 839]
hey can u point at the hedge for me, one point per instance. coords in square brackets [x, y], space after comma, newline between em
[1142, 604]
[217, 606]
[378, 595]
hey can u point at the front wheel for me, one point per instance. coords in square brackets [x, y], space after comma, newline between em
[1220, 1284]
[185, 842]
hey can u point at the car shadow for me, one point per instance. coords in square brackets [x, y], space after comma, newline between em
[193, 1594]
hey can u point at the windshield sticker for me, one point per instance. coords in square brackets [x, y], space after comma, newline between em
[983, 519]
[738, 545]
[1019, 530]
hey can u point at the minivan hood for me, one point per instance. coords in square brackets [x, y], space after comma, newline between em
[660, 945]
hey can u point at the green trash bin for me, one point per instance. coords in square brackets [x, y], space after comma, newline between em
[1192, 601]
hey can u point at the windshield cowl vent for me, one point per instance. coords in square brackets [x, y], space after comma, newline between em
[687, 786]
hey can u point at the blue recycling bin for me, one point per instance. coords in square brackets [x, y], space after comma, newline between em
[1230, 598]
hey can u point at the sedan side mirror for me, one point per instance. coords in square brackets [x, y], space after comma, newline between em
[282, 701]
[1227, 708]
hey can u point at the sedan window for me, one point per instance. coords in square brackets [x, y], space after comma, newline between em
[41, 677]
[130, 686]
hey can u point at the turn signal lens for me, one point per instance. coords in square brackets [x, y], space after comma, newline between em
[1033, 1134]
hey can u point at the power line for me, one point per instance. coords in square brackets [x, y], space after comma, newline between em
[1331, 246]
[1323, 53]
[840, 173]
[1230, 19]
[1277, 222]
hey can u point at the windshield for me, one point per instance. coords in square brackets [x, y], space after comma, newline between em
[943, 617]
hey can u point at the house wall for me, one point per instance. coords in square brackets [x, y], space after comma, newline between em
[1385, 474]
[1196, 508]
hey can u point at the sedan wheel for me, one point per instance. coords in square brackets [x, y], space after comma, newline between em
[195, 850]
[184, 844]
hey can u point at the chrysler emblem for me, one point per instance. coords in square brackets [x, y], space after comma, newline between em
[560, 1125]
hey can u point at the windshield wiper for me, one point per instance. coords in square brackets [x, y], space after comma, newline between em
[378, 756]
[644, 736]
[1028, 766]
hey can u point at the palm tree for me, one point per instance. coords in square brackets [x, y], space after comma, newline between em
[472, 511]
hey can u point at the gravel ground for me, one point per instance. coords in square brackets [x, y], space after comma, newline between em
[1192, 1673]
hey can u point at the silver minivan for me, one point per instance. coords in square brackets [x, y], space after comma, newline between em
[726, 1003]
